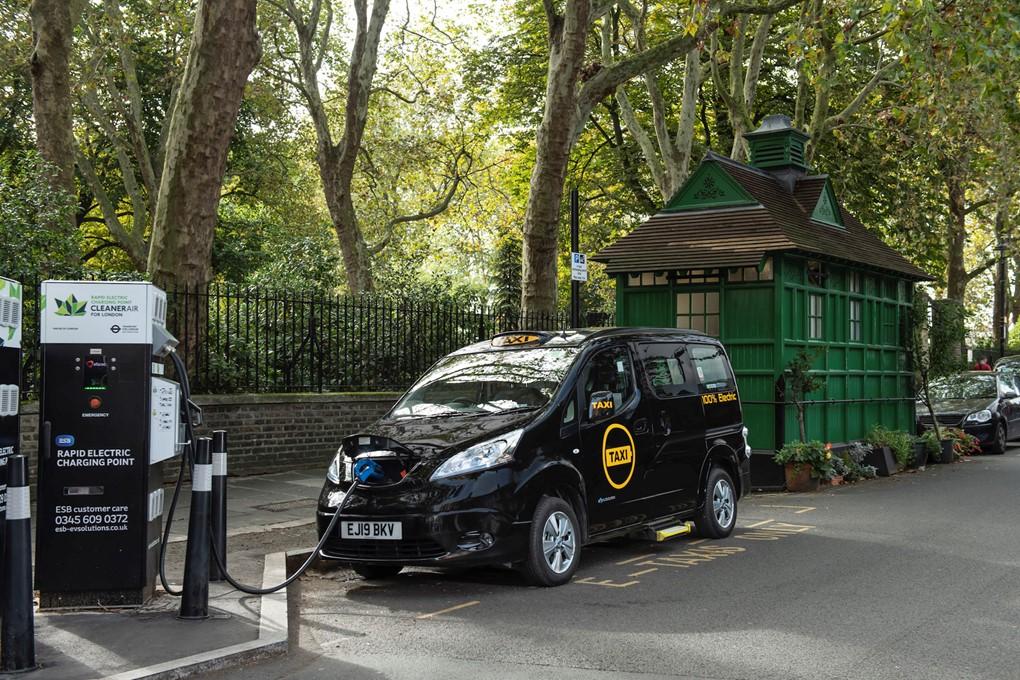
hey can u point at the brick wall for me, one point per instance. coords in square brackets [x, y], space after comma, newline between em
[265, 432]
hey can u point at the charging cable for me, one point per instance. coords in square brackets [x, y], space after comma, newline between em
[189, 458]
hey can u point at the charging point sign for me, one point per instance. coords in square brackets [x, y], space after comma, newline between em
[103, 409]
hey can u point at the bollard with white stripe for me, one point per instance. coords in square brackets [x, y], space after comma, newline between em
[219, 502]
[17, 632]
[195, 595]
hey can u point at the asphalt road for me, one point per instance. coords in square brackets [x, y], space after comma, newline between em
[912, 576]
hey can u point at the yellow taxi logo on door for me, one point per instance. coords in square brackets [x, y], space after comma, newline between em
[618, 455]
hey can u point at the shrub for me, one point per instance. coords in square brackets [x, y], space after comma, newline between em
[853, 458]
[963, 443]
[814, 454]
[898, 442]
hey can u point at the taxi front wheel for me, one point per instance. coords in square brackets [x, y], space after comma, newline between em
[554, 547]
[719, 512]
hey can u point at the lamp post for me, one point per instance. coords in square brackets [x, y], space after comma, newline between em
[1001, 324]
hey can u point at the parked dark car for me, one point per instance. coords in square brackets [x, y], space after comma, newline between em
[521, 449]
[984, 404]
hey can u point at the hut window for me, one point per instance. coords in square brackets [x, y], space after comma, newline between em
[815, 273]
[815, 324]
[647, 279]
[698, 311]
[855, 282]
[745, 274]
[855, 321]
[697, 276]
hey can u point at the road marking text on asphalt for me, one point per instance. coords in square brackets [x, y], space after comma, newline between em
[448, 609]
[773, 532]
[608, 583]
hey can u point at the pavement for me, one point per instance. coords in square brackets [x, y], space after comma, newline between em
[909, 576]
[267, 516]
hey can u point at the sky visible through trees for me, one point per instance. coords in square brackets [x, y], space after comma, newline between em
[427, 147]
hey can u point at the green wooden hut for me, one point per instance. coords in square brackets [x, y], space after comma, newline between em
[764, 257]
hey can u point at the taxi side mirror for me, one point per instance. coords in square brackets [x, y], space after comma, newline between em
[601, 405]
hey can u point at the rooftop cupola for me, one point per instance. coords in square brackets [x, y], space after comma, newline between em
[778, 148]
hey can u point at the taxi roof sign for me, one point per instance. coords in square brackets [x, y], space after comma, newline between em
[519, 338]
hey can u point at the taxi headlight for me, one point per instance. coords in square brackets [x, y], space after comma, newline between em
[982, 416]
[340, 469]
[488, 454]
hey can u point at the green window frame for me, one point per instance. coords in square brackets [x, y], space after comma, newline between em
[856, 323]
[816, 319]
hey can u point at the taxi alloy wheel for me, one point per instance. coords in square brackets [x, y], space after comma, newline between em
[554, 545]
[719, 511]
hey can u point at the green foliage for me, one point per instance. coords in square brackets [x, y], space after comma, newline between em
[815, 454]
[852, 460]
[900, 443]
[800, 382]
[931, 443]
[946, 336]
[30, 252]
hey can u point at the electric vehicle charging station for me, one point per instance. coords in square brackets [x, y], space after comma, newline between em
[107, 420]
[10, 384]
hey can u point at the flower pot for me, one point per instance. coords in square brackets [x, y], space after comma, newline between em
[798, 478]
[948, 456]
[882, 459]
[920, 458]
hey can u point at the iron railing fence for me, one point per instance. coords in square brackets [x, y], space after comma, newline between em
[247, 339]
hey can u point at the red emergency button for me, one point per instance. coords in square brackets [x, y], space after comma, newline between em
[95, 402]
[89, 363]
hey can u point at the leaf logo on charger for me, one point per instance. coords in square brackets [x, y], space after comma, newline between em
[71, 306]
[65, 440]
[367, 470]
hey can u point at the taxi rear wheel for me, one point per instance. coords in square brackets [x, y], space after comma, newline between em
[719, 512]
[376, 571]
[554, 545]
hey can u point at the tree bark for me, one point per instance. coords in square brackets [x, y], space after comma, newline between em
[224, 49]
[554, 140]
[52, 27]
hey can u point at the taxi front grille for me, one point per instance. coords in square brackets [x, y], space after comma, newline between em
[361, 549]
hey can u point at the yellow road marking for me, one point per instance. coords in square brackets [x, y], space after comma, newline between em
[645, 571]
[635, 559]
[799, 509]
[700, 540]
[454, 608]
[759, 524]
[608, 583]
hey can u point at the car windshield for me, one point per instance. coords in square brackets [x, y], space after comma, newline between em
[488, 382]
[964, 387]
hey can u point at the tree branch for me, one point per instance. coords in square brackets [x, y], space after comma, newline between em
[438, 207]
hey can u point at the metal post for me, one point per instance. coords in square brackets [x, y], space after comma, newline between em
[575, 235]
[17, 632]
[219, 502]
[1000, 299]
[195, 596]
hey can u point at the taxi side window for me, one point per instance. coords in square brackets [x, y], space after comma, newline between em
[665, 370]
[609, 371]
[712, 368]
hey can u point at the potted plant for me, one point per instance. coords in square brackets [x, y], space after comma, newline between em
[888, 449]
[853, 458]
[806, 463]
[936, 448]
[962, 443]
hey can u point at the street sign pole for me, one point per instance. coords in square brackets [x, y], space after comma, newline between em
[575, 285]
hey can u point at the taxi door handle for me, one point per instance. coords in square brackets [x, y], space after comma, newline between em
[641, 426]
[665, 423]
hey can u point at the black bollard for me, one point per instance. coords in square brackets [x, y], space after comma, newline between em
[17, 632]
[219, 502]
[195, 595]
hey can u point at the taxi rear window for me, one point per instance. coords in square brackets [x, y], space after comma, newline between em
[712, 367]
[664, 367]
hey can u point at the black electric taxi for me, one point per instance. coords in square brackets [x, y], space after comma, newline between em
[521, 449]
[984, 404]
